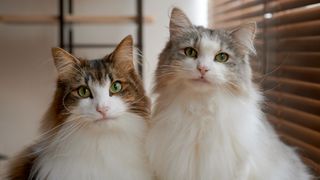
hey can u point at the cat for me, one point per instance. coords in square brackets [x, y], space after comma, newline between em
[96, 125]
[207, 122]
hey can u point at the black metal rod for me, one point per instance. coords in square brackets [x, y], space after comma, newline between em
[3, 157]
[61, 23]
[139, 22]
[70, 32]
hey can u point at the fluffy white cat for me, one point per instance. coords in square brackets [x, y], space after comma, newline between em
[207, 122]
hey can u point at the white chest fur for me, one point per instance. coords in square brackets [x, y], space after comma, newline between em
[114, 155]
[220, 138]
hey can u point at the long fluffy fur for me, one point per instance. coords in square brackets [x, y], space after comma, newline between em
[213, 130]
[196, 137]
[114, 154]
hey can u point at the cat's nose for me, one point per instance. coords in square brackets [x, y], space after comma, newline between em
[202, 69]
[102, 110]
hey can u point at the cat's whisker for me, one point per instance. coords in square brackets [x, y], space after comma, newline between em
[265, 76]
[70, 131]
[47, 133]
[48, 136]
[42, 148]
[53, 142]
[274, 87]
[62, 132]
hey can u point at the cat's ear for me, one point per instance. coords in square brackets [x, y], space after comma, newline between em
[123, 54]
[64, 61]
[179, 22]
[245, 35]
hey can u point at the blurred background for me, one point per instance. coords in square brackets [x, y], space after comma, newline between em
[286, 67]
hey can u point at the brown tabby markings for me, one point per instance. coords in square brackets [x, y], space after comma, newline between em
[74, 72]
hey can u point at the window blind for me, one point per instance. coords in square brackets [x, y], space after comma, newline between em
[287, 65]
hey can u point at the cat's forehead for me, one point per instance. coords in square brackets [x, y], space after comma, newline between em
[215, 39]
[205, 38]
[97, 70]
[210, 43]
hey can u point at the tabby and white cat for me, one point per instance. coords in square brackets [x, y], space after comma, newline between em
[96, 125]
[207, 122]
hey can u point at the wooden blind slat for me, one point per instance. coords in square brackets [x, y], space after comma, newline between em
[307, 74]
[231, 24]
[299, 117]
[302, 88]
[236, 5]
[314, 167]
[243, 13]
[306, 135]
[308, 150]
[260, 10]
[302, 44]
[309, 28]
[294, 16]
[290, 100]
[301, 59]
[282, 5]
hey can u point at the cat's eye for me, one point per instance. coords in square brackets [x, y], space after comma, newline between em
[190, 52]
[115, 87]
[84, 92]
[221, 57]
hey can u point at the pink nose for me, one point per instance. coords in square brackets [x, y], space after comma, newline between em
[202, 69]
[102, 110]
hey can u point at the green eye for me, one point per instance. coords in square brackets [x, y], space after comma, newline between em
[116, 87]
[84, 92]
[190, 52]
[221, 57]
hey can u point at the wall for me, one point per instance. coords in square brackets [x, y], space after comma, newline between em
[27, 74]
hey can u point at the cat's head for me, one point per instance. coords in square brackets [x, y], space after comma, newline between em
[205, 59]
[99, 91]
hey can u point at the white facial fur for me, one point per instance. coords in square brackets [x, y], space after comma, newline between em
[113, 106]
[217, 72]
[219, 75]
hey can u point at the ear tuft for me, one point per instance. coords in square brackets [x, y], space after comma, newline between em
[123, 54]
[178, 22]
[245, 35]
[63, 61]
[125, 45]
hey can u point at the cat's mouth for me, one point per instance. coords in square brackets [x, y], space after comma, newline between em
[104, 119]
[201, 80]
